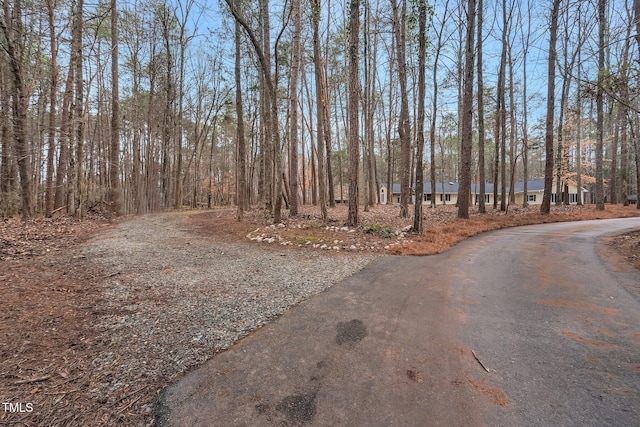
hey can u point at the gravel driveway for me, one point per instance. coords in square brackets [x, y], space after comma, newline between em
[173, 298]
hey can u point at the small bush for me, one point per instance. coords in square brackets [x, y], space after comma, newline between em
[381, 230]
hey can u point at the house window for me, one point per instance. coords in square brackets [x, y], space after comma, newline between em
[398, 199]
[573, 198]
[447, 197]
[427, 197]
[553, 197]
[531, 197]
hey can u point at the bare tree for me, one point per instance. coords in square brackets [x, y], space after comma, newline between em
[265, 67]
[320, 109]
[53, 96]
[481, 127]
[464, 191]
[76, 198]
[422, 52]
[500, 168]
[622, 113]
[115, 197]
[600, 106]
[545, 208]
[241, 149]
[525, 37]
[293, 107]
[354, 152]
[14, 46]
[636, 15]
[404, 125]
[434, 109]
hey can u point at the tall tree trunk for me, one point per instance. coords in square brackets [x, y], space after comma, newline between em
[367, 102]
[79, 111]
[636, 138]
[564, 95]
[390, 151]
[184, 41]
[62, 171]
[273, 172]
[320, 109]
[168, 122]
[53, 92]
[622, 119]
[13, 32]
[354, 152]
[513, 127]
[8, 177]
[422, 51]
[293, 108]
[464, 188]
[327, 139]
[136, 190]
[525, 110]
[579, 114]
[482, 208]
[404, 125]
[502, 110]
[270, 188]
[241, 149]
[499, 159]
[600, 106]
[432, 133]
[115, 197]
[545, 208]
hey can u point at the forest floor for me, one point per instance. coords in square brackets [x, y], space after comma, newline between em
[61, 365]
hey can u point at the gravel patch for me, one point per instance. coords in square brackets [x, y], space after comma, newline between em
[171, 299]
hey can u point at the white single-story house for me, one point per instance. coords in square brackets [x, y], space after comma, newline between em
[447, 193]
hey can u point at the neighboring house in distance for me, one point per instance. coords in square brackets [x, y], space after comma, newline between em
[447, 193]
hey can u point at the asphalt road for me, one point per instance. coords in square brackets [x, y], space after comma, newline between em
[556, 316]
[552, 315]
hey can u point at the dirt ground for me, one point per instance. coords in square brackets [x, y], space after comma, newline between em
[50, 301]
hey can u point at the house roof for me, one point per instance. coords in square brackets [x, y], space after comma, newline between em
[452, 187]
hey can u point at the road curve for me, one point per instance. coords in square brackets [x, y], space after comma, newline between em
[556, 317]
[529, 326]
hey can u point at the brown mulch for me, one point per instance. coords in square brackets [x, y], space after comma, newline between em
[628, 245]
[51, 300]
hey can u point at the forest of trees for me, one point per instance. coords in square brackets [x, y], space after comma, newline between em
[144, 105]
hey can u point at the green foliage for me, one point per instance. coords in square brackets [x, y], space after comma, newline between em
[412, 21]
[379, 229]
